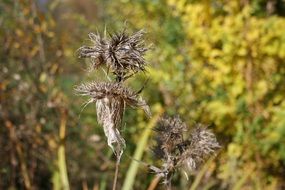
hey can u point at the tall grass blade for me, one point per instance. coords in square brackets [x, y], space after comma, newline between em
[132, 171]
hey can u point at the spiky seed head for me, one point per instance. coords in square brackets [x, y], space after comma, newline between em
[99, 90]
[169, 134]
[96, 52]
[176, 149]
[126, 52]
[203, 144]
[122, 53]
[111, 100]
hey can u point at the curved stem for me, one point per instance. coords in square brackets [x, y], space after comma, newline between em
[154, 183]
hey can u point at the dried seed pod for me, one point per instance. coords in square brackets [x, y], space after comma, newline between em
[169, 134]
[96, 52]
[177, 151]
[123, 54]
[111, 100]
[203, 144]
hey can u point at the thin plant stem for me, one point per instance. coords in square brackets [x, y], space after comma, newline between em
[106, 74]
[168, 184]
[154, 183]
[116, 172]
[61, 153]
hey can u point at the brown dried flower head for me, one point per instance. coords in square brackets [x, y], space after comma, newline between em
[121, 53]
[170, 133]
[111, 100]
[176, 146]
[201, 145]
[96, 51]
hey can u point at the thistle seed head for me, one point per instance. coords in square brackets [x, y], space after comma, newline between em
[169, 134]
[111, 100]
[202, 144]
[121, 53]
[176, 149]
[96, 52]
[126, 53]
[113, 90]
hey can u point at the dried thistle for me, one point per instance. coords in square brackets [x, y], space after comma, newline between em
[170, 133]
[176, 149]
[111, 100]
[202, 144]
[96, 52]
[123, 54]
[126, 53]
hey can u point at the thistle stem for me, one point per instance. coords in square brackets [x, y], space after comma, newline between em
[116, 172]
[168, 185]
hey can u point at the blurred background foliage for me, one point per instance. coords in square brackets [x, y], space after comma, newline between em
[219, 62]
